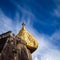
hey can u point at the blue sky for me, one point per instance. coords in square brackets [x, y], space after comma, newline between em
[42, 19]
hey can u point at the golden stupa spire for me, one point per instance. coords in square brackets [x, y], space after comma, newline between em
[32, 43]
[23, 25]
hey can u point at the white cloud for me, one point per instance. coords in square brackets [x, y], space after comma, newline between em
[56, 35]
[57, 11]
[46, 49]
[46, 52]
[7, 24]
[22, 9]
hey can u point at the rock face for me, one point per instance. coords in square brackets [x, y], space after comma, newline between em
[13, 48]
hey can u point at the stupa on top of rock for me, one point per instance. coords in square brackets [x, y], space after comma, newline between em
[17, 47]
[31, 42]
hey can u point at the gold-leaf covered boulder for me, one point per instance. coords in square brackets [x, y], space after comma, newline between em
[31, 42]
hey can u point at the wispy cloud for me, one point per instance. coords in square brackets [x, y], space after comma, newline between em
[7, 23]
[46, 50]
[22, 9]
[56, 11]
[56, 35]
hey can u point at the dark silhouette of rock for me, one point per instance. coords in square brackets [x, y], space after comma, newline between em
[13, 48]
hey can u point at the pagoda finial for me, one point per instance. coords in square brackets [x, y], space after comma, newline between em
[23, 24]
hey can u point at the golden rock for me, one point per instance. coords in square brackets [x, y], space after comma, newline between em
[31, 42]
